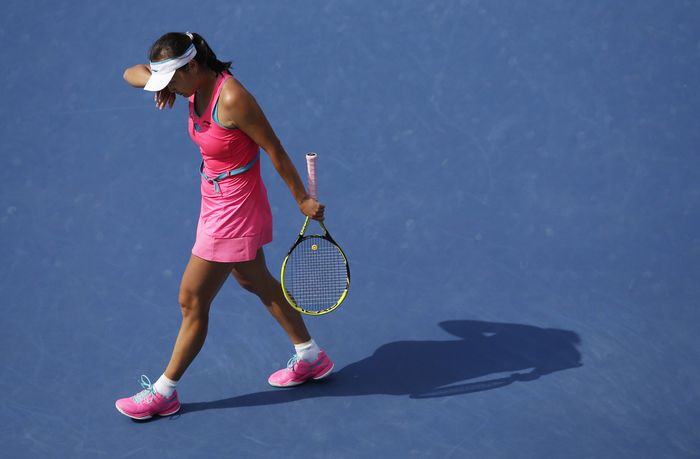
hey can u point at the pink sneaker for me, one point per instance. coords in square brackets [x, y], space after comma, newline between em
[299, 371]
[148, 403]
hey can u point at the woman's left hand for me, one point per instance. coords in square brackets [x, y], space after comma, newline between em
[312, 208]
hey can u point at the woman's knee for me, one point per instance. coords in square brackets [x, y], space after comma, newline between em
[193, 304]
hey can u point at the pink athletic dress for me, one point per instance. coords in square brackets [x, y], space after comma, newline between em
[235, 218]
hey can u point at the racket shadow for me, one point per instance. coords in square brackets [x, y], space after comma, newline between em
[475, 362]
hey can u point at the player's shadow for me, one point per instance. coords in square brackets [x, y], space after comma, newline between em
[427, 369]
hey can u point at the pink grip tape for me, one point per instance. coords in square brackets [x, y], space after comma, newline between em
[311, 170]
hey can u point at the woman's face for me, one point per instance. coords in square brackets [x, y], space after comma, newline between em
[185, 81]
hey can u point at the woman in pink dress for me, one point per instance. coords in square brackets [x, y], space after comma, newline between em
[235, 221]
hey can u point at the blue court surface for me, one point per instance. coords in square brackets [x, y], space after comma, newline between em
[516, 184]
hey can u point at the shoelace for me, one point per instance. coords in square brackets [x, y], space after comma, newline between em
[293, 361]
[147, 393]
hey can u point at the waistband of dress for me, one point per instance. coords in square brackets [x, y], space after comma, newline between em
[231, 173]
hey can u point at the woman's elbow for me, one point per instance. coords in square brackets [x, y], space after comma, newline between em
[129, 75]
[136, 75]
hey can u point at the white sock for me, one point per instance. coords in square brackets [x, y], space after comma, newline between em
[308, 351]
[165, 386]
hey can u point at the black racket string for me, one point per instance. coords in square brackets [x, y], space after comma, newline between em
[315, 274]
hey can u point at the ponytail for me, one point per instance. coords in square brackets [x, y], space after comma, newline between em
[205, 56]
[174, 44]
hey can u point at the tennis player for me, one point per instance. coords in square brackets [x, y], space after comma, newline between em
[235, 221]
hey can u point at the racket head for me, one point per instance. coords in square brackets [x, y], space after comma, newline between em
[315, 275]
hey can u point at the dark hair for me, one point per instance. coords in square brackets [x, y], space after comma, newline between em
[174, 44]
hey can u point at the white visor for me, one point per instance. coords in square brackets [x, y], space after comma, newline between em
[162, 71]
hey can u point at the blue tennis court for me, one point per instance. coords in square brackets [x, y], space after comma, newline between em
[516, 185]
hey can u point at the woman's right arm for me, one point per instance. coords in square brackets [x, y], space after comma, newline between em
[138, 75]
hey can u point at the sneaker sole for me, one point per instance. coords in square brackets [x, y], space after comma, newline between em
[148, 417]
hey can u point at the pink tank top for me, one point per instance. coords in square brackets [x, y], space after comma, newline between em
[222, 149]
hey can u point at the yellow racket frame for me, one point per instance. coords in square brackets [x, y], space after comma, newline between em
[328, 237]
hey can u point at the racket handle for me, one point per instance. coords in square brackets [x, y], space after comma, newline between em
[311, 170]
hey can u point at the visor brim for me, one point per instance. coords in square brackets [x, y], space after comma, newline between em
[158, 81]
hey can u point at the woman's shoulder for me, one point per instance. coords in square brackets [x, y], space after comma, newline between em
[234, 96]
[232, 91]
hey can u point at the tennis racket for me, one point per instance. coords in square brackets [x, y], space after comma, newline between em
[315, 273]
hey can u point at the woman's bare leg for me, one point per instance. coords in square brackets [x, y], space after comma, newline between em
[201, 281]
[256, 278]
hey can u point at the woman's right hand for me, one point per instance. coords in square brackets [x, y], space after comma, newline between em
[138, 75]
[164, 98]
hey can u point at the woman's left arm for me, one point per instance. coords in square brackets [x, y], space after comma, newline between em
[237, 107]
